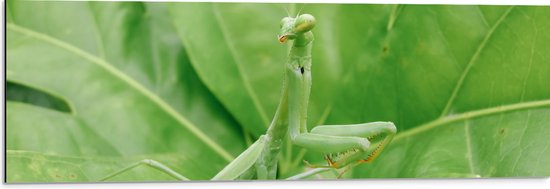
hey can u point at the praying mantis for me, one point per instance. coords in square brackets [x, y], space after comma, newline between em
[344, 145]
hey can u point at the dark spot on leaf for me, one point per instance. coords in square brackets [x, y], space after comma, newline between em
[385, 49]
[501, 131]
[72, 176]
[302, 70]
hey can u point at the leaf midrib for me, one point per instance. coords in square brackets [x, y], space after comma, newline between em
[133, 83]
[469, 115]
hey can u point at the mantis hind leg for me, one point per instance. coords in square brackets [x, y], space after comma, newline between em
[151, 163]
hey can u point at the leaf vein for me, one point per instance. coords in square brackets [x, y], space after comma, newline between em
[245, 79]
[483, 18]
[530, 65]
[99, 38]
[469, 153]
[474, 58]
[470, 115]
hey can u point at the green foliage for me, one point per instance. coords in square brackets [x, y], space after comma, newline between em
[467, 87]
[123, 71]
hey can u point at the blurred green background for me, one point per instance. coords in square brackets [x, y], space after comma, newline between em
[93, 87]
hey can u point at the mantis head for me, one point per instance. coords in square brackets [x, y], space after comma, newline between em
[294, 27]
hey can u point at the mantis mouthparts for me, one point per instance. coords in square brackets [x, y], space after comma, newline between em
[283, 38]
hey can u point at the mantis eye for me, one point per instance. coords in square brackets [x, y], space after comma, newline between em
[304, 23]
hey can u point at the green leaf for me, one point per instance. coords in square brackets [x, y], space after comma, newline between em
[124, 72]
[464, 65]
[234, 55]
[59, 147]
[55, 133]
[28, 167]
[506, 141]
[416, 65]
[501, 67]
[33, 128]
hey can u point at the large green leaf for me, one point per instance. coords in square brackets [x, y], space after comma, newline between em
[124, 73]
[465, 64]
[419, 66]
